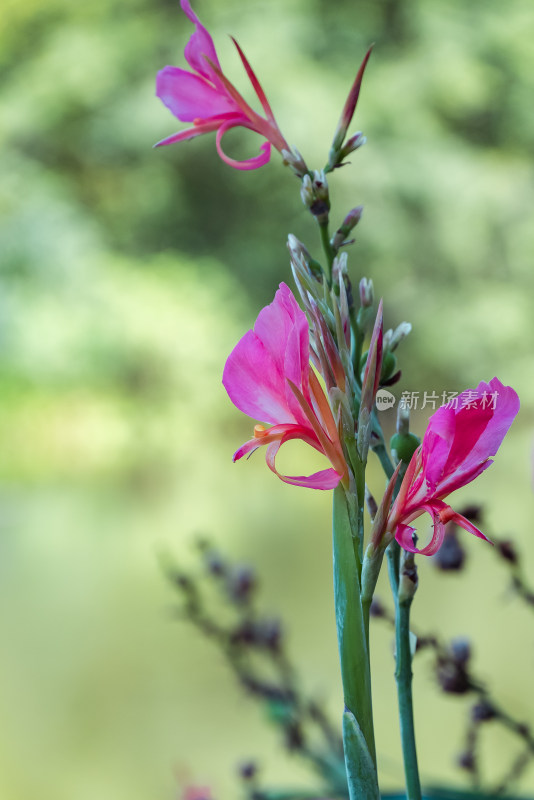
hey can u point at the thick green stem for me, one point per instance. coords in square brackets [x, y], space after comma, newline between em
[327, 247]
[358, 733]
[403, 675]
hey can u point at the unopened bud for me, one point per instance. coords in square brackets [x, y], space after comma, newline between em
[347, 113]
[370, 382]
[306, 191]
[389, 366]
[367, 297]
[339, 268]
[403, 419]
[392, 338]
[320, 185]
[295, 161]
[350, 222]
[372, 505]
[352, 144]
[405, 445]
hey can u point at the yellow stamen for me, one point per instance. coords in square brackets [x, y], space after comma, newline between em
[259, 431]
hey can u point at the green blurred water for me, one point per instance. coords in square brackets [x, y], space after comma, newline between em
[127, 276]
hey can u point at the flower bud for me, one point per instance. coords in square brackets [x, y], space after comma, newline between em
[355, 141]
[371, 378]
[389, 366]
[339, 268]
[350, 222]
[307, 194]
[392, 338]
[295, 161]
[320, 185]
[347, 113]
[367, 297]
[405, 445]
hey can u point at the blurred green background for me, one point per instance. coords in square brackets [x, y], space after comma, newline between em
[127, 276]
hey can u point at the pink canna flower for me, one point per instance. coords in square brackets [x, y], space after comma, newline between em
[455, 450]
[268, 376]
[205, 97]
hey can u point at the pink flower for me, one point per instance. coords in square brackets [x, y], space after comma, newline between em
[455, 449]
[205, 97]
[268, 376]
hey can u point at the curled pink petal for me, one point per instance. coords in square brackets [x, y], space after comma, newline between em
[325, 479]
[405, 535]
[251, 163]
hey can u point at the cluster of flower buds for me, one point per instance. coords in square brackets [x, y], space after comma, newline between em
[315, 195]
[330, 309]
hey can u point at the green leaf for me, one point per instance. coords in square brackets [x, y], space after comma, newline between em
[361, 771]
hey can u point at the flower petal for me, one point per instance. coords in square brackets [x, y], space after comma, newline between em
[468, 526]
[255, 83]
[283, 328]
[199, 45]
[190, 96]
[189, 133]
[250, 163]
[506, 409]
[404, 534]
[325, 479]
[254, 383]
[437, 444]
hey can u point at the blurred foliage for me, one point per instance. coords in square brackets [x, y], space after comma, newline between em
[127, 275]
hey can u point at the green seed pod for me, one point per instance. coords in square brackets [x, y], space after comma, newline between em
[389, 365]
[405, 445]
